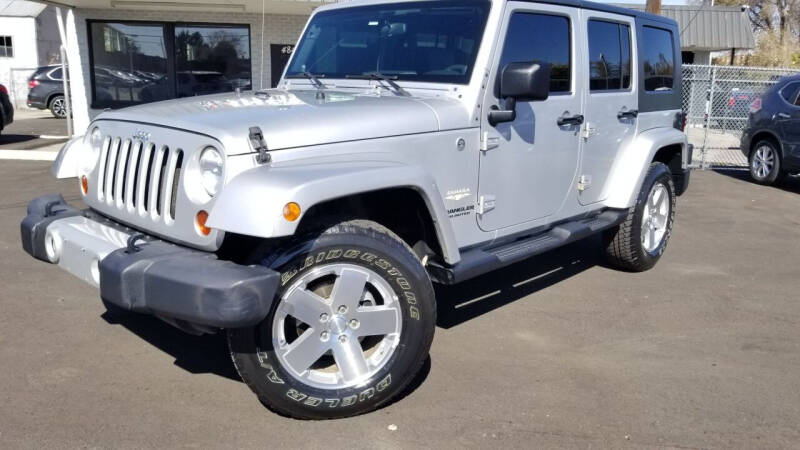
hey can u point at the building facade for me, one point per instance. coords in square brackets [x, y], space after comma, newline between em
[122, 53]
[28, 39]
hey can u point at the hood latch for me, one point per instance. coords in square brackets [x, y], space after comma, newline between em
[259, 145]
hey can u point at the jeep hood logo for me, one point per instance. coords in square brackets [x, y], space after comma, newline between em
[141, 135]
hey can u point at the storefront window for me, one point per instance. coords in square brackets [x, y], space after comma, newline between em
[211, 59]
[135, 63]
[129, 64]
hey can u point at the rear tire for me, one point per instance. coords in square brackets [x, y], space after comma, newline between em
[323, 354]
[638, 243]
[765, 163]
[58, 107]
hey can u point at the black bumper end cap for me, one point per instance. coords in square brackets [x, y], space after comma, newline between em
[41, 212]
[177, 283]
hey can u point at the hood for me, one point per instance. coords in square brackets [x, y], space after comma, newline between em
[291, 119]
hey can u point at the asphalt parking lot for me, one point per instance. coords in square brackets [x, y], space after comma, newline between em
[701, 352]
[33, 129]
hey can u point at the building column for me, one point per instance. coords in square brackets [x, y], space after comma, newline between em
[79, 86]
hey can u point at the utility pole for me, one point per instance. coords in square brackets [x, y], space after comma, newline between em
[653, 7]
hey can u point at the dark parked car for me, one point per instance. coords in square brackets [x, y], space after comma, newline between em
[771, 140]
[6, 109]
[46, 90]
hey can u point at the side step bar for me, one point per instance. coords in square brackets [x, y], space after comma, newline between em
[481, 260]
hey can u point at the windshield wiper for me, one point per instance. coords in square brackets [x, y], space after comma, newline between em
[389, 79]
[308, 75]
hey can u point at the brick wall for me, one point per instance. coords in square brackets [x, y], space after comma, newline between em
[278, 29]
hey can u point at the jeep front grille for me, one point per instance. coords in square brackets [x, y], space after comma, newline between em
[139, 177]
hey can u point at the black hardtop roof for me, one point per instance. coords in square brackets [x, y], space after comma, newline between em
[610, 9]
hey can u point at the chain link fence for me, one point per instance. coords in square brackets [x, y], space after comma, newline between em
[716, 100]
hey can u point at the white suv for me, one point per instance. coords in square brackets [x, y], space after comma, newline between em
[407, 143]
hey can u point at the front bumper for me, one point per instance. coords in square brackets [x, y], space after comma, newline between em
[188, 288]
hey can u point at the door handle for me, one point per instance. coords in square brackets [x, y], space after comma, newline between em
[628, 114]
[782, 115]
[577, 119]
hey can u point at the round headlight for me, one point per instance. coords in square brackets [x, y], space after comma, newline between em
[92, 154]
[211, 165]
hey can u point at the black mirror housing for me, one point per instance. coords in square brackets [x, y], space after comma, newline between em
[525, 81]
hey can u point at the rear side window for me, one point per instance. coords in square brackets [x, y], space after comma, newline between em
[658, 58]
[609, 56]
[56, 74]
[789, 93]
[544, 38]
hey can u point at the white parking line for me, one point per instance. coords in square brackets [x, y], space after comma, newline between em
[29, 155]
[52, 136]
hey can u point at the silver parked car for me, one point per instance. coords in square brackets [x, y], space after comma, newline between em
[407, 143]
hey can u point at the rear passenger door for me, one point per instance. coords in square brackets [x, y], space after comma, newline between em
[610, 98]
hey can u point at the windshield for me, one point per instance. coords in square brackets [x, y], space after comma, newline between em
[416, 41]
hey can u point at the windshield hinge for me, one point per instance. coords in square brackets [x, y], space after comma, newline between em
[257, 141]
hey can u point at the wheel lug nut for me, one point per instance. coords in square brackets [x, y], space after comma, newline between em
[354, 324]
[343, 339]
[342, 309]
[323, 336]
[323, 317]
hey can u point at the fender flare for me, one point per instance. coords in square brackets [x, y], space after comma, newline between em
[66, 163]
[632, 162]
[769, 132]
[252, 202]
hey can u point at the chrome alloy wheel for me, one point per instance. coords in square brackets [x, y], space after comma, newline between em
[336, 326]
[655, 217]
[59, 108]
[763, 161]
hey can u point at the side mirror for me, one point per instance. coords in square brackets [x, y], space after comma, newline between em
[526, 81]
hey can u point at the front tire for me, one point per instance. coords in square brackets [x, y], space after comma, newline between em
[350, 327]
[638, 243]
[765, 163]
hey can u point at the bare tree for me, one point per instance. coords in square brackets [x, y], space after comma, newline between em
[778, 16]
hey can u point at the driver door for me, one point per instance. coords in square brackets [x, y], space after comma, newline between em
[528, 166]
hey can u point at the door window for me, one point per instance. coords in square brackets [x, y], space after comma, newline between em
[544, 38]
[658, 58]
[609, 56]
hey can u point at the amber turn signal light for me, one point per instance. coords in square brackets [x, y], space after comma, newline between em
[84, 185]
[200, 221]
[291, 211]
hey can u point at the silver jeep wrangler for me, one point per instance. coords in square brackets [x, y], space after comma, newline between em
[408, 142]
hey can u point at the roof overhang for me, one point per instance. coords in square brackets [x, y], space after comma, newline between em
[303, 7]
[18, 8]
[710, 28]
